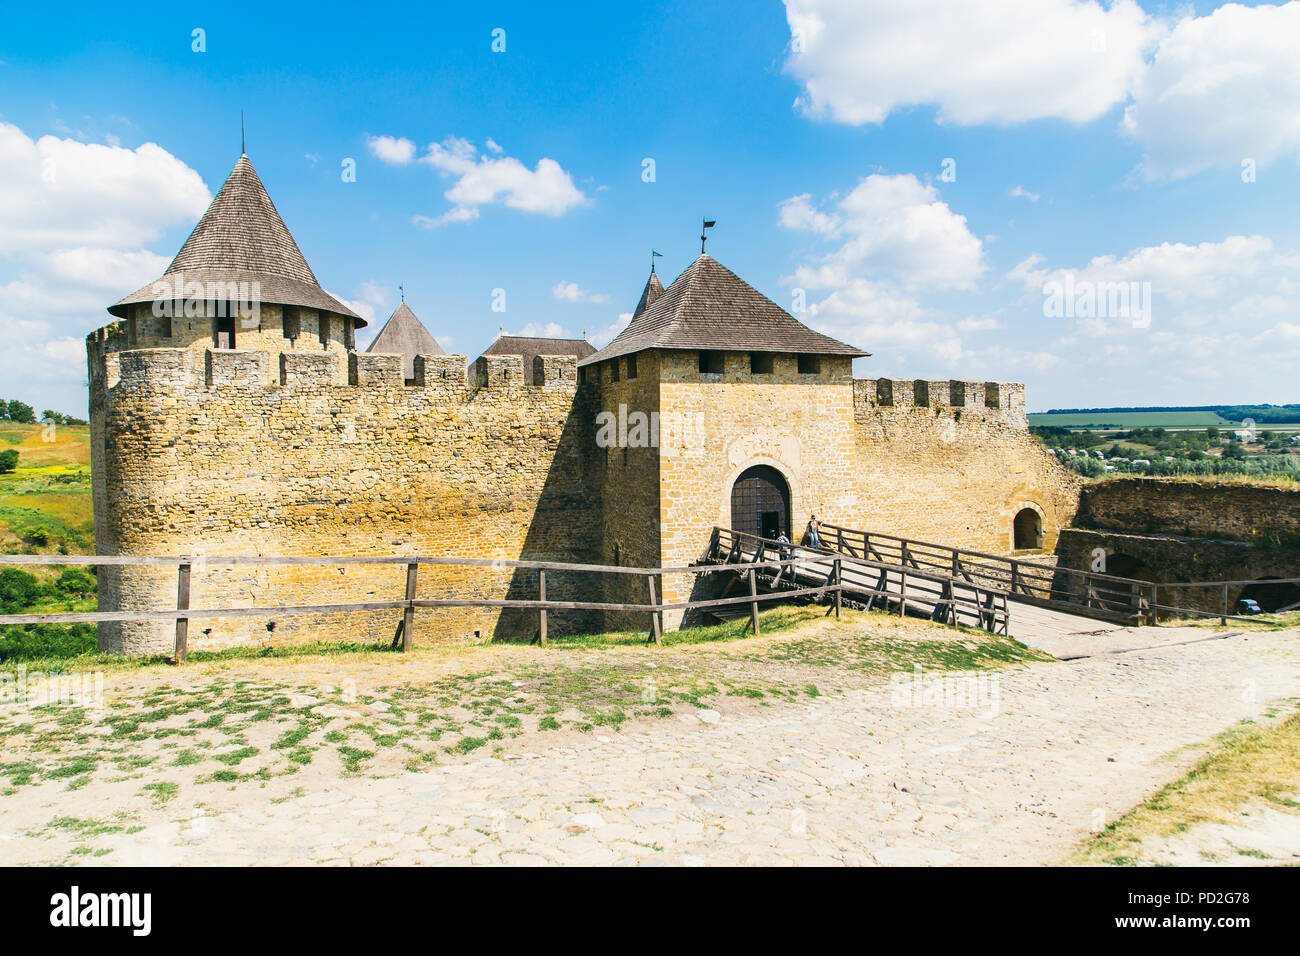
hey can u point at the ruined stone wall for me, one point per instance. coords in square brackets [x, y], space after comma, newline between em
[203, 452]
[1256, 514]
[1171, 560]
[1177, 531]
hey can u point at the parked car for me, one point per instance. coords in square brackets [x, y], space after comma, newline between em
[1249, 606]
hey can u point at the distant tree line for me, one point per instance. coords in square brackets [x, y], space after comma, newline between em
[20, 413]
[1234, 413]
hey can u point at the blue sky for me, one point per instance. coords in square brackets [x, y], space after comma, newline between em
[1105, 141]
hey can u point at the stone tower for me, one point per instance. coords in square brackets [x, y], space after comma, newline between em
[748, 421]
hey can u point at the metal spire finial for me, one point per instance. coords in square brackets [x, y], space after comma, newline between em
[242, 150]
[708, 224]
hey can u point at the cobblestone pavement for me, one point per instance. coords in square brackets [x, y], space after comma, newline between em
[879, 775]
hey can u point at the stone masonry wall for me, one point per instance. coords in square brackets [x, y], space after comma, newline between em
[1232, 512]
[209, 453]
[953, 463]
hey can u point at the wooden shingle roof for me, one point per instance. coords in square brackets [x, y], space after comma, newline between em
[652, 291]
[710, 307]
[530, 347]
[242, 239]
[405, 335]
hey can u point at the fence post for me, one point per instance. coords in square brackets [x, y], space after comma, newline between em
[182, 604]
[1224, 618]
[839, 586]
[902, 593]
[656, 622]
[408, 614]
[1015, 575]
[541, 596]
[753, 605]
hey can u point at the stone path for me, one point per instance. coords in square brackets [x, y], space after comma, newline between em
[885, 775]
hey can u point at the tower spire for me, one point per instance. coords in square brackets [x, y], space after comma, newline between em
[242, 150]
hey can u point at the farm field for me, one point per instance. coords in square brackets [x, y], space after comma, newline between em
[1127, 420]
[45, 504]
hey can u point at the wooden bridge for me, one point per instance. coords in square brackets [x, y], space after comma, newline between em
[952, 585]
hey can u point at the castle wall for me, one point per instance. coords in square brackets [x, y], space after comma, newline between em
[242, 452]
[952, 462]
[306, 451]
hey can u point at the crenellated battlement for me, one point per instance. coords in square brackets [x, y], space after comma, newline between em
[1004, 400]
[181, 369]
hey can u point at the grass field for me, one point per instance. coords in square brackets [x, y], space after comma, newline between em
[1127, 420]
[45, 504]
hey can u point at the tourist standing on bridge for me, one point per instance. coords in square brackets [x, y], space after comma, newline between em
[814, 532]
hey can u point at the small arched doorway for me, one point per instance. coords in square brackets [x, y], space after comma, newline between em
[1027, 530]
[760, 502]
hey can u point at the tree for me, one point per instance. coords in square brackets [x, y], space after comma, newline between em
[21, 413]
[1212, 433]
[8, 460]
[1234, 450]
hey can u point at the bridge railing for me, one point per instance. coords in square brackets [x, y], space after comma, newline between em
[954, 601]
[1020, 579]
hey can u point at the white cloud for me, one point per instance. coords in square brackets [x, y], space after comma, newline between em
[547, 189]
[604, 336]
[997, 61]
[1020, 192]
[396, 151]
[571, 292]
[1198, 91]
[548, 330]
[483, 179]
[75, 222]
[454, 214]
[60, 192]
[893, 225]
[1221, 314]
[372, 303]
[1220, 89]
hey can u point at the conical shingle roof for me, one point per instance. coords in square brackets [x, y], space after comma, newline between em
[405, 335]
[652, 291]
[710, 307]
[242, 239]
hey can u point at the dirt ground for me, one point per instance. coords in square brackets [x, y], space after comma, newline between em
[815, 744]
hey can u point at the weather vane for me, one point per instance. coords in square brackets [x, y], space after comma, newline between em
[652, 261]
[708, 224]
[402, 289]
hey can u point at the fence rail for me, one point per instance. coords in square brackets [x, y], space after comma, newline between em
[944, 597]
[1086, 592]
[187, 566]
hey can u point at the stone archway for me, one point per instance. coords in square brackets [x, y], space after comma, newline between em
[760, 502]
[1027, 530]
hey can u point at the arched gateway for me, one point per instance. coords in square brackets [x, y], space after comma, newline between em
[760, 502]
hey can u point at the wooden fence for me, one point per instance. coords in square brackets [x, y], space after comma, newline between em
[408, 603]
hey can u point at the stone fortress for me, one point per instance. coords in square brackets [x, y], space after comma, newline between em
[232, 414]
